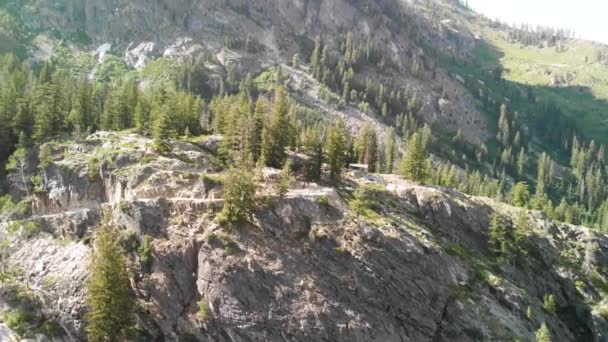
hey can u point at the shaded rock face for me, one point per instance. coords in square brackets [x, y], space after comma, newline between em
[66, 191]
[328, 294]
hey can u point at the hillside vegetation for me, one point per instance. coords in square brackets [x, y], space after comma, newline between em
[194, 160]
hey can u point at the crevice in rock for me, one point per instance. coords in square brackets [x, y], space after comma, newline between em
[444, 313]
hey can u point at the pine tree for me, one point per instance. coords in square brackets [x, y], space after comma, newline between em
[520, 195]
[313, 148]
[161, 132]
[286, 178]
[359, 202]
[43, 127]
[543, 334]
[276, 137]
[81, 115]
[391, 151]
[520, 235]
[108, 291]
[49, 110]
[239, 196]
[315, 60]
[498, 239]
[521, 162]
[336, 148]
[18, 161]
[142, 115]
[234, 141]
[504, 135]
[45, 73]
[366, 147]
[415, 165]
[255, 129]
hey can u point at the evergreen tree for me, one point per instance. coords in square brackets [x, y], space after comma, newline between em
[313, 148]
[366, 147]
[108, 291]
[82, 113]
[239, 196]
[415, 165]
[359, 202]
[315, 60]
[498, 238]
[161, 132]
[520, 195]
[286, 178]
[540, 197]
[391, 151]
[276, 137]
[234, 141]
[521, 162]
[255, 129]
[45, 73]
[336, 148]
[504, 135]
[543, 334]
[142, 115]
[18, 161]
[49, 110]
[520, 235]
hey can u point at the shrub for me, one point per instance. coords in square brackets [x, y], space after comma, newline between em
[341, 249]
[213, 179]
[602, 310]
[204, 311]
[19, 321]
[145, 250]
[323, 200]
[230, 246]
[6, 204]
[125, 207]
[26, 228]
[549, 303]
[543, 334]
[93, 168]
[37, 183]
[359, 204]
[148, 159]
[25, 207]
[51, 329]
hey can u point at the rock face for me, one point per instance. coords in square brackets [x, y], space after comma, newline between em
[306, 269]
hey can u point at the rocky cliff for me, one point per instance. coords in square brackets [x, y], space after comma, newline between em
[414, 268]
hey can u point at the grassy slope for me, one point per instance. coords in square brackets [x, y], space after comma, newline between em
[584, 100]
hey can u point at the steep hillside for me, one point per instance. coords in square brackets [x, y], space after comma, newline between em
[415, 265]
[572, 76]
[249, 36]
[212, 146]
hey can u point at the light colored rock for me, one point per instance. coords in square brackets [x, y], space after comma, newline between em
[138, 56]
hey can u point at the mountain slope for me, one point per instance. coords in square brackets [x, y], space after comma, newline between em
[136, 113]
[416, 267]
